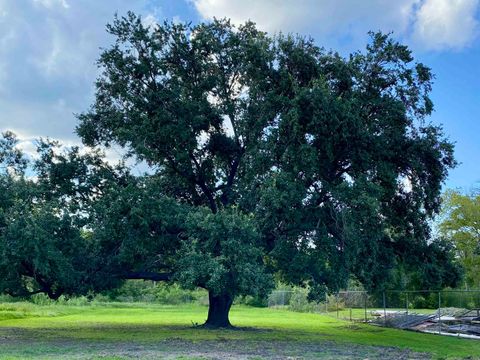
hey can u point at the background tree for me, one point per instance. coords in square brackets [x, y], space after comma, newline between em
[460, 224]
[43, 212]
[267, 154]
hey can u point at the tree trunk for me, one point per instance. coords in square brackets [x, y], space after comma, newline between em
[218, 309]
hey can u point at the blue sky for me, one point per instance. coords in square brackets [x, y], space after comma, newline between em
[48, 50]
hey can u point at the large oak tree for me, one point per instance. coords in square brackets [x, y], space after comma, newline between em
[267, 155]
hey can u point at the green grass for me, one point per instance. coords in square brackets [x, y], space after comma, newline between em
[148, 324]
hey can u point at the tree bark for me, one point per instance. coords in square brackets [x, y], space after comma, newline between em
[218, 310]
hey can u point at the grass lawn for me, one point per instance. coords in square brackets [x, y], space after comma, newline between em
[119, 330]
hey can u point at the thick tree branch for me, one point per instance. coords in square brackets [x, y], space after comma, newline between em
[147, 275]
[203, 184]
[231, 177]
[45, 286]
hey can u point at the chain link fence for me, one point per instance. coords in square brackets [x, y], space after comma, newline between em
[362, 306]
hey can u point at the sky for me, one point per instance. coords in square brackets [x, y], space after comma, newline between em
[48, 50]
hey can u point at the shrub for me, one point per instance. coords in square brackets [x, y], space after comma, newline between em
[7, 299]
[41, 299]
[299, 302]
[255, 301]
[78, 301]
[149, 291]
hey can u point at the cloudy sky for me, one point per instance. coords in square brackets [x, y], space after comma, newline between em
[48, 50]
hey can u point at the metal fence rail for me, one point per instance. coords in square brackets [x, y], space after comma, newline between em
[362, 306]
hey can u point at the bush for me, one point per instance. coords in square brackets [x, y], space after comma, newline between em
[41, 299]
[130, 291]
[77, 301]
[148, 291]
[255, 301]
[173, 295]
[299, 302]
[100, 298]
[8, 299]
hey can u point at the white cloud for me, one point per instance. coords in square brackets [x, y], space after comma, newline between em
[324, 19]
[431, 24]
[28, 147]
[326, 16]
[52, 3]
[149, 20]
[35, 118]
[444, 24]
[113, 155]
[48, 50]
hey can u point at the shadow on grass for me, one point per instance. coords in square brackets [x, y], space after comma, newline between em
[137, 332]
[129, 342]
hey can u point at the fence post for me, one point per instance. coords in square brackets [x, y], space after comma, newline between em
[365, 297]
[478, 304]
[406, 302]
[384, 309]
[326, 303]
[337, 304]
[439, 313]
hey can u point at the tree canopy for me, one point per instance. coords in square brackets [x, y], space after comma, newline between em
[460, 224]
[329, 161]
[44, 217]
[269, 157]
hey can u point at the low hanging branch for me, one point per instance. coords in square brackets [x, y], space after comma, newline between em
[147, 275]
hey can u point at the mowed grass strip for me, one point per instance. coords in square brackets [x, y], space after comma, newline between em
[150, 323]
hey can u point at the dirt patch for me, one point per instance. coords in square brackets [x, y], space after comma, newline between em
[370, 329]
[14, 345]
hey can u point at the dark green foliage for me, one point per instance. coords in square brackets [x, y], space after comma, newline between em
[44, 246]
[139, 230]
[222, 254]
[41, 250]
[267, 155]
[11, 159]
[255, 301]
[37, 237]
[330, 160]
